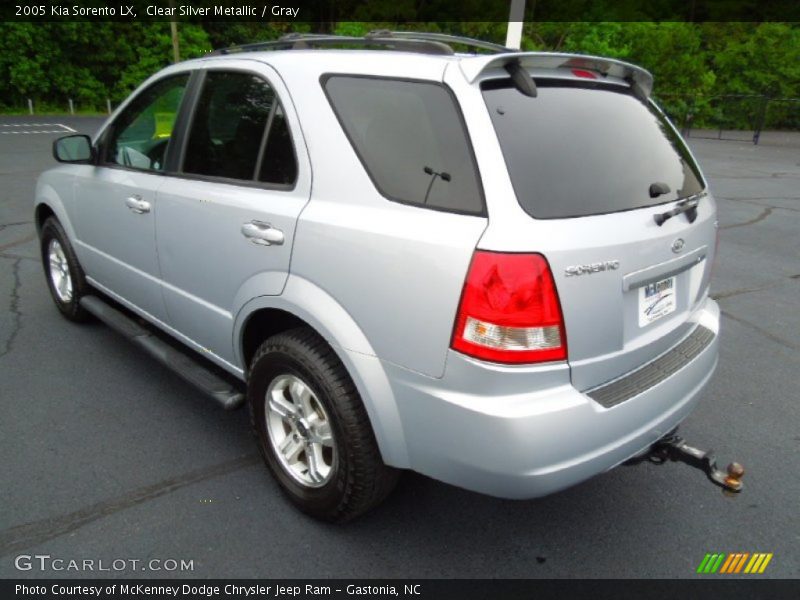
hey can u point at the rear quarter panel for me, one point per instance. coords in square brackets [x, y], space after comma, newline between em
[397, 270]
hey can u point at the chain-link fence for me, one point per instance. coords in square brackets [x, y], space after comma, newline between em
[731, 117]
[723, 117]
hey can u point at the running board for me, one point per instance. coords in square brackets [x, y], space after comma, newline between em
[180, 362]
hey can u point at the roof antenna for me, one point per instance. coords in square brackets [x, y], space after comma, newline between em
[434, 174]
[521, 78]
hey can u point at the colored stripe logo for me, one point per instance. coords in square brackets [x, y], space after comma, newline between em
[736, 562]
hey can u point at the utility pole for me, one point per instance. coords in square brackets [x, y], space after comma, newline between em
[173, 27]
[516, 15]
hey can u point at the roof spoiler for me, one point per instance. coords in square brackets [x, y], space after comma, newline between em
[640, 80]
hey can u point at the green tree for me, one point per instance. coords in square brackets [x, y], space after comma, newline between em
[692, 63]
[148, 48]
[766, 60]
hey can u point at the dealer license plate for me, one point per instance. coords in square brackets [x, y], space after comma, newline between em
[656, 300]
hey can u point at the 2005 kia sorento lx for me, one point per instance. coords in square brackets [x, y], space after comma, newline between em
[492, 269]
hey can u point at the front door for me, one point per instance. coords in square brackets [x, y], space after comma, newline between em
[116, 198]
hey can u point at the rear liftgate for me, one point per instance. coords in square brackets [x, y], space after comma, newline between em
[673, 447]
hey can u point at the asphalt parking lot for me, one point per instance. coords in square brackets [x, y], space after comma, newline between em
[107, 455]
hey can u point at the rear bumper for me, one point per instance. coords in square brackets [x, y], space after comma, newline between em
[481, 427]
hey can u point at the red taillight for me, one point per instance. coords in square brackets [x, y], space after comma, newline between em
[509, 311]
[584, 74]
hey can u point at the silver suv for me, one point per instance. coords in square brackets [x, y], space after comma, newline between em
[490, 267]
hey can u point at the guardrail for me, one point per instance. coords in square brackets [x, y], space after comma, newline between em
[67, 106]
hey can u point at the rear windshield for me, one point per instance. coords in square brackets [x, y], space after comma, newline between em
[577, 151]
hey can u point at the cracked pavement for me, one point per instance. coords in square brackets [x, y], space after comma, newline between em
[108, 455]
[13, 309]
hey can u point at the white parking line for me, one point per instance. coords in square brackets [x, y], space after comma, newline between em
[31, 125]
[64, 128]
[30, 132]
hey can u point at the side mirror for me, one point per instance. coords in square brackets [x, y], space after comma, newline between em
[74, 149]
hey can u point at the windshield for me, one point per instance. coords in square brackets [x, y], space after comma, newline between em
[576, 151]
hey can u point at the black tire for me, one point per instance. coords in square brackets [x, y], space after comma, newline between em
[71, 308]
[358, 480]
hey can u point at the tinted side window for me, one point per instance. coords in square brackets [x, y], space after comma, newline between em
[279, 164]
[228, 126]
[139, 137]
[411, 139]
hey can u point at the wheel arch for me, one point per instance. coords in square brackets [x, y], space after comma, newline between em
[42, 212]
[49, 203]
[304, 304]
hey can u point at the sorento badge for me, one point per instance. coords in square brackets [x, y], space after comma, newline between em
[606, 265]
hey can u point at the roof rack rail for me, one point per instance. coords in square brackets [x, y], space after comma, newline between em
[445, 38]
[304, 42]
[411, 41]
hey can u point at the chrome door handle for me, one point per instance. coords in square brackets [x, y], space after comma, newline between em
[262, 233]
[137, 205]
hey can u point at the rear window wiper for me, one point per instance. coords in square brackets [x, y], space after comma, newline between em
[688, 206]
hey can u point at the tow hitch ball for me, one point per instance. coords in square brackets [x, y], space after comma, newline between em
[673, 447]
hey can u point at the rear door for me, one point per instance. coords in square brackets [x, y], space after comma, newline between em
[226, 220]
[591, 166]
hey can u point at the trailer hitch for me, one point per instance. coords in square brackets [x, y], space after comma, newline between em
[673, 447]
